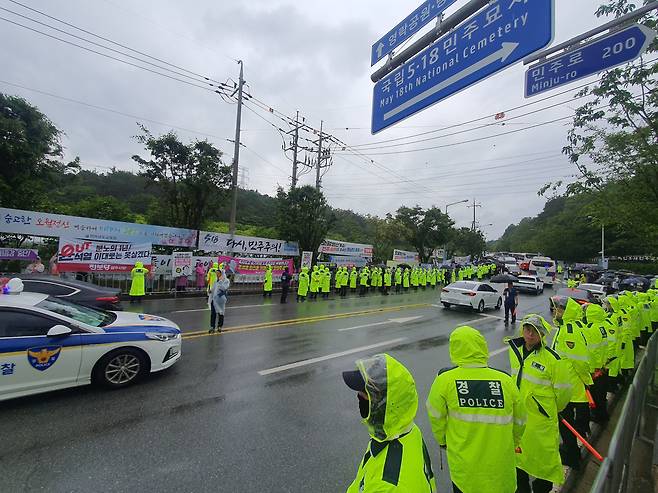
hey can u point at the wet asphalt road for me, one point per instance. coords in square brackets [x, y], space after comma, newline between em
[214, 423]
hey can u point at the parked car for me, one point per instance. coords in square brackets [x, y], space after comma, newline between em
[476, 295]
[597, 290]
[582, 296]
[531, 284]
[81, 292]
[49, 343]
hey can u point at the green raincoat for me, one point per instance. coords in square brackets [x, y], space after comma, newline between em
[478, 414]
[137, 280]
[267, 284]
[544, 381]
[570, 343]
[396, 459]
[302, 284]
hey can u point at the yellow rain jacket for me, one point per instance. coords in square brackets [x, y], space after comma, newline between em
[302, 283]
[544, 381]
[211, 276]
[570, 343]
[267, 284]
[396, 459]
[137, 276]
[477, 413]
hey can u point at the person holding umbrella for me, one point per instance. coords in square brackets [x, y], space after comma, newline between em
[511, 296]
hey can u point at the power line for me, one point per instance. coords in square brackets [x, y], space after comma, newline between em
[103, 38]
[110, 110]
[107, 56]
[487, 125]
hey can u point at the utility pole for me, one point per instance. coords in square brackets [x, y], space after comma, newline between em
[318, 165]
[474, 206]
[294, 152]
[236, 152]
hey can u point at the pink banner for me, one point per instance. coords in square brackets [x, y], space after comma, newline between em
[239, 265]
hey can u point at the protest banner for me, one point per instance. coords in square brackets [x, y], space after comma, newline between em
[75, 255]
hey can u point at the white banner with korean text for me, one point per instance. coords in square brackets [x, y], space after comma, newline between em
[46, 224]
[335, 247]
[222, 242]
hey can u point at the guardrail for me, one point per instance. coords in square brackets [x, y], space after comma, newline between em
[614, 472]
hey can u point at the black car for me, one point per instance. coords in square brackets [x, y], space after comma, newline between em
[84, 293]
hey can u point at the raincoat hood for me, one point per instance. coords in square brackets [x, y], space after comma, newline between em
[595, 313]
[468, 348]
[215, 265]
[305, 270]
[393, 398]
[139, 265]
[613, 302]
[572, 312]
[538, 322]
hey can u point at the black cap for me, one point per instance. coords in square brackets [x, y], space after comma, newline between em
[354, 380]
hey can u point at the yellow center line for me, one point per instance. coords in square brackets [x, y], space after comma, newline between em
[298, 321]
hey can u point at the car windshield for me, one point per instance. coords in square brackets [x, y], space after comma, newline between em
[79, 313]
[542, 263]
[526, 279]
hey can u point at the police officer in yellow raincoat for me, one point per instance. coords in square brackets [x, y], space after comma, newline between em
[396, 459]
[267, 282]
[211, 276]
[570, 342]
[472, 409]
[137, 282]
[544, 381]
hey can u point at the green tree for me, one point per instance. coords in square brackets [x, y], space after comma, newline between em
[465, 242]
[192, 177]
[303, 215]
[30, 154]
[388, 235]
[425, 230]
[617, 130]
[97, 207]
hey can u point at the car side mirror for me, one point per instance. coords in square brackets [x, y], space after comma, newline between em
[59, 330]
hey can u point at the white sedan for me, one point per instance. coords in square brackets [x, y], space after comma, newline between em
[48, 343]
[532, 284]
[476, 295]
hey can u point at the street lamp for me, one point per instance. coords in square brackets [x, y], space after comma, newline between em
[445, 247]
[455, 203]
[602, 239]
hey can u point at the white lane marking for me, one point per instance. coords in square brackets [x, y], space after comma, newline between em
[228, 308]
[497, 351]
[400, 320]
[492, 316]
[329, 356]
[365, 325]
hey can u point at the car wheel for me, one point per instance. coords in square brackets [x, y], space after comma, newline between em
[446, 305]
[481, 306]
[120, 368]
[499, 303]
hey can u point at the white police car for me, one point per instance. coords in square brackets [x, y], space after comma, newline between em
[49, 343]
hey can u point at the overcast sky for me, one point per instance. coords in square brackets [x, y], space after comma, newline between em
[310, 56]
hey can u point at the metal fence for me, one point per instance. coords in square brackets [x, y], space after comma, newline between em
[614, 472]
[160, 283]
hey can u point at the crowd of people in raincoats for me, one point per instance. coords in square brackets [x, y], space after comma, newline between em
[320, 279]
[503, 433]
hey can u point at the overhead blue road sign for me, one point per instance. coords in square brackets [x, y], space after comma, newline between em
[499, 35]
[589, 59]
[423, 15]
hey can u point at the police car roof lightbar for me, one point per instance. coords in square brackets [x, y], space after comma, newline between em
[619, 22]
